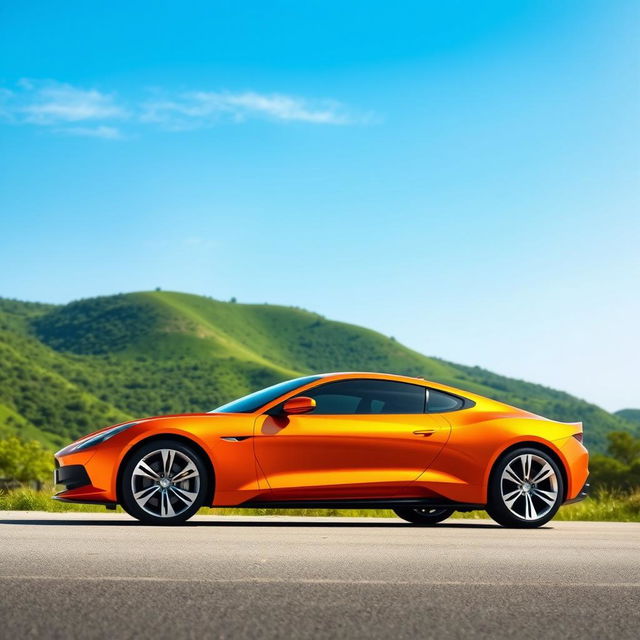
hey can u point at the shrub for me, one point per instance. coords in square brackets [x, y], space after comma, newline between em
[24, 461]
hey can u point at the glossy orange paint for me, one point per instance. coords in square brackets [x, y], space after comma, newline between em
[299, 404]
[331, 457]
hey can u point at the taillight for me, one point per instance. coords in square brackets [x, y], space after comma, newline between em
[578, 436]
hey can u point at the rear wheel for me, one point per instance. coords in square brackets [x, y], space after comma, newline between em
[526, 489]
[163, 482]
[423, 515]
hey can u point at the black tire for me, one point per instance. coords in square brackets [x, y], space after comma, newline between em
[423, 515]
[180, 499]
[535, 503]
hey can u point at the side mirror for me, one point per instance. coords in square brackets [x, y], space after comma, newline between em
[301, 404]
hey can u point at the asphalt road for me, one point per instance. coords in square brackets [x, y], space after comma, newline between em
[105, 576]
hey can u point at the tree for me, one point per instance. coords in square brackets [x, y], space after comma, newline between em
[623, 447]
[607, 473]
[621, 469]
[24, 461]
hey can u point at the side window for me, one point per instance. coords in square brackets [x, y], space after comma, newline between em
[348, 397]
[441, 402]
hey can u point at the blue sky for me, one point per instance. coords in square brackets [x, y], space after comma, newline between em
[460, 175]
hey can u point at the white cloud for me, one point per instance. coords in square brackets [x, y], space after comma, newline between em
[102, 131]
[205, 108]
[54, 103]
[91, 113]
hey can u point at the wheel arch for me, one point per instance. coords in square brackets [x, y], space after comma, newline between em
[206, 459]
[531, 444]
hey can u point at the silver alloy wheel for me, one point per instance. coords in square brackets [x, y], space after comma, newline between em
[529, 487]
[165, 483]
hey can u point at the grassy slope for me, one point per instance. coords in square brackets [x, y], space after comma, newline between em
[69, 369]
[12, 423]
[43, 394]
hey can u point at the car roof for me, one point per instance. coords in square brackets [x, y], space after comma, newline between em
[481, 401]
[346, 375]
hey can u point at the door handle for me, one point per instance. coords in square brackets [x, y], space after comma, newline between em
[424, 432]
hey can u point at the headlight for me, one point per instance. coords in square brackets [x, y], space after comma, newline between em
[92, 441]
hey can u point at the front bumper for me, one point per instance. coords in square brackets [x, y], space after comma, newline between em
[72, 476]
[77, 484]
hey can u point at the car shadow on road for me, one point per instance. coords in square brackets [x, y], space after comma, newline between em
[297, 524]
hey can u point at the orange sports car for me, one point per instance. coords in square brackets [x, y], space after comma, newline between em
[352, 440]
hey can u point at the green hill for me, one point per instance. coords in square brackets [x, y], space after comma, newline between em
[70, 369]
[630, 415]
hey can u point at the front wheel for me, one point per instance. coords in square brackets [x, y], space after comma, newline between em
[525, 490]
[423, 515]
[163, 482]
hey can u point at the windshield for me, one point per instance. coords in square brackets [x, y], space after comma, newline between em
[252, 402]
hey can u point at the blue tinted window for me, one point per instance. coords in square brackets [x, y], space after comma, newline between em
[252, 402]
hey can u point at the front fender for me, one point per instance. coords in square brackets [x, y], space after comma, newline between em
[233, 462]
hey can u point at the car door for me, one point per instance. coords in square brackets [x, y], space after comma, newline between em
[366, 438]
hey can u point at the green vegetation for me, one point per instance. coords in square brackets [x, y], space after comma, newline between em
[32, 500]
[630, 415]
[612, 506]
[68, 370]
[24, 461]
[620, 470]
